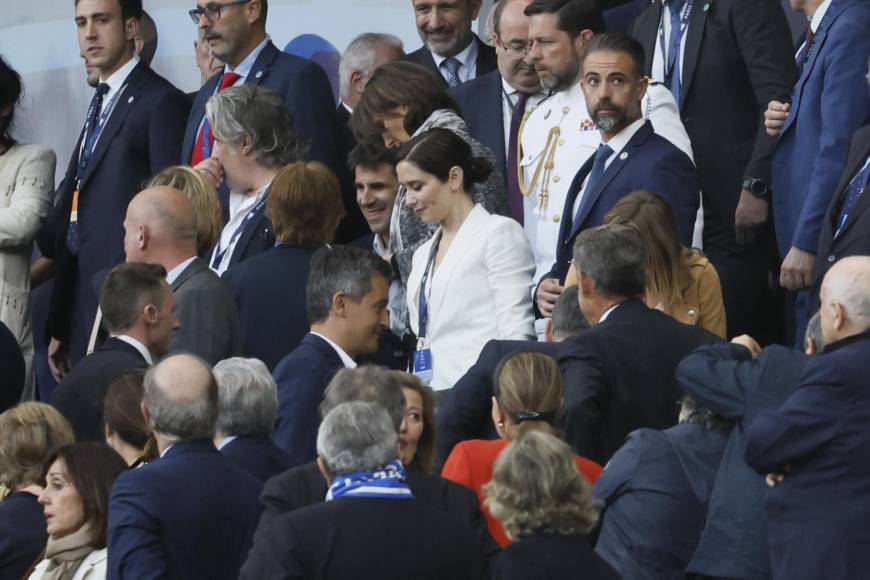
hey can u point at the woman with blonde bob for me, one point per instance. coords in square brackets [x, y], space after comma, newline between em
[681, 282]
[204, 198]
[528, 395]
[546, 506]
[304, 207]
[29, 434]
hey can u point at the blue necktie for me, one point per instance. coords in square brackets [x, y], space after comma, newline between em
[672, 79]
[853, 194]
[90, 138]
[601, 156]
[452, 65]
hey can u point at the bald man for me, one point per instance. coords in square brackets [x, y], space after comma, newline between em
[160, 228]
[192, 513]
[816, 447]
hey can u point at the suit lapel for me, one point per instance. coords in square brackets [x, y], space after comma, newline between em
[497, 123]
[252, 227]
[567, 225]
[124, 104]
[863, 201]
[694, 38]
[646, 29]
[197, 112]
[261, 65]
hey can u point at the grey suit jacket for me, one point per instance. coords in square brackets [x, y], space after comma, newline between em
[208, 315]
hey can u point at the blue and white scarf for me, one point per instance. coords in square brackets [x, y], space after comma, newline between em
[388, 482]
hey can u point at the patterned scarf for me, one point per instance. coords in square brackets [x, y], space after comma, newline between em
[388, 482]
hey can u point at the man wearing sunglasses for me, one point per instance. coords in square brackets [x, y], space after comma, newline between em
[235, 32]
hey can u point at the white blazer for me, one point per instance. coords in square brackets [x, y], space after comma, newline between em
[480, 291]
[93, 567]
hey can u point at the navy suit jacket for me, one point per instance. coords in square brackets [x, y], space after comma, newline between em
[659, 480]
[302, 377]
[552, 556]
[79, 396]
[190, 514]
[12, 369]
[22, 534]
[486, 60]
[648, 162]
[480, 103]
[465, 413]
[142, 137]
[727, 380]
[619, 377]
[306, 92]
[817, 517]
[259, 457]
[829, 103]
[269, 290]
[854, 238]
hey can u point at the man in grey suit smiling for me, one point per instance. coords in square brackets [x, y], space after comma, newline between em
[160, 227]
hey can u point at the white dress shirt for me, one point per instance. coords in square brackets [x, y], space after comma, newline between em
[467, 59]
[815, 22]
[240, 205]
[658, 64]
[346, 359]
[143, 350]
[244, 68]
[173, 274]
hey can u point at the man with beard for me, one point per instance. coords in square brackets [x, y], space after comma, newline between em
[558, 137]
[450, 48]
[493, 105]
[631, 156]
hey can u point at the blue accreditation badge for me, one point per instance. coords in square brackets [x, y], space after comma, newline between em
[423, 364]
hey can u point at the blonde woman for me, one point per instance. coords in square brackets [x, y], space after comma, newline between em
[204, 198]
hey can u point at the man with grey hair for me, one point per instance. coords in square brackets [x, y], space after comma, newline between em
[160, 228]
[363, 55]
[738, 380]
[368, 512]
[254, 138]
[161, 524]
[247, 407]
[815, 449]
[619, 374]
[346, 297]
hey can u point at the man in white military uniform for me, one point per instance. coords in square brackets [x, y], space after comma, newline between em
[558, 137]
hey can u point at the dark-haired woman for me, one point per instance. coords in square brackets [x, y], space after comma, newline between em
[78, 481]
[126, 430]
[26, 186]
[471, 282]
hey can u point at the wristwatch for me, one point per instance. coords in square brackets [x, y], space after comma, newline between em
[757, 187]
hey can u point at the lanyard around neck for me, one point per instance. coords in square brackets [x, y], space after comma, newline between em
[423, 317]
[669, 60]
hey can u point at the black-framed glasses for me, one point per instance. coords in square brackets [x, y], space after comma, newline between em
[212, 10]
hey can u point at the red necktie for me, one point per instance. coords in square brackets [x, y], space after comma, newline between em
[227, 80]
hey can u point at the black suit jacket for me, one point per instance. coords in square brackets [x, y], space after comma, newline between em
[465, 413]
[738, 57]
[366, 538]
[302, 377]
[22, 534]
[619, 377]
[142, 136]
[481, 103]
[12, 369]
[304, 486]
[79, 396]
[259, 457]
[486, 60]
[269, 290]
[854, 238]
[552, 556]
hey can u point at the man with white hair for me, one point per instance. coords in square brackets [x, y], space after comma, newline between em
[816, 447]
[364, 54]
[247, 407]
[369, 526]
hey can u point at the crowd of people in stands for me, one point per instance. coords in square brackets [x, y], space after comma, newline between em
[551, 301]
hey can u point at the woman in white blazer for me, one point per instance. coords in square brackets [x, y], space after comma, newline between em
[472, 281]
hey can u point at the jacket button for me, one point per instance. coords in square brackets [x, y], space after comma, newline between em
[556, 217]
[556, 179]
[831, 258]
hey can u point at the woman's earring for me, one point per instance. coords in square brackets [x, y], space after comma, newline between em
[501, 423]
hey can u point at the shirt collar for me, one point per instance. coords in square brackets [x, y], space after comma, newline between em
[468, 55]
[347, 107]
[227, 440]
[818, 15]
[607, 313]
[117, 78]
[346, 359]
[244, 68]
[174, 273]
[143, 350]
[621, 139]
[379, 247]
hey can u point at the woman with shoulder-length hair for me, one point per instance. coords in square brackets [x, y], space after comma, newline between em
[403, 100]
[546, 507]
[127, 432]
[417, 431]
[472, 281]
[304, 206]
[77, 482]
[528, 396]
[204, 198]
[681, 282]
